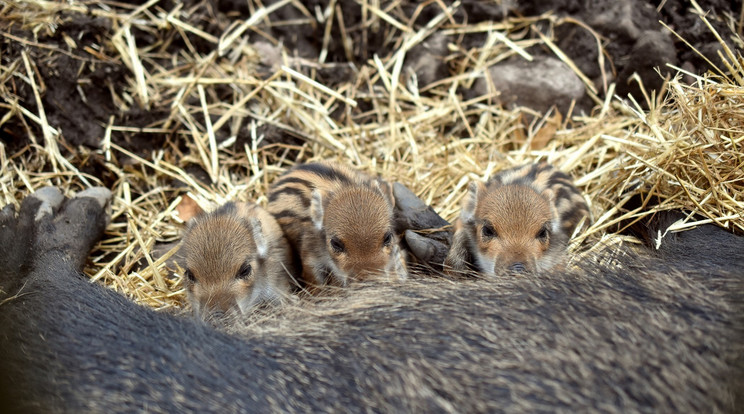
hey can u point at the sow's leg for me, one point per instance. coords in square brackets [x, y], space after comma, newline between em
[69, 345]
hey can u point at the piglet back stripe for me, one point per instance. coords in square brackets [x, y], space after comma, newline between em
[292, 180]
[324, 171]
[297, 192]
[284, 214]
[570, 218]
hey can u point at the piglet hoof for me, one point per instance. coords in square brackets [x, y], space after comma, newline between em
[426, 250]
[405, 199]
[427, 234]
[411, 213]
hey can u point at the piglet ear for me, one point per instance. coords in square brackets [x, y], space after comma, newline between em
[475, 189]
[549, 195]
[262, 247]
[316, 209]
[195, 220]
[193, 214]
[386, 189]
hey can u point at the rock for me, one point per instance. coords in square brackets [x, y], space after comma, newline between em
[426, 60]
[541, 84]
[652, 50]
[270, 56]
[623, 20]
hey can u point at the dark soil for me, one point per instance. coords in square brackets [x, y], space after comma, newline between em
[77, 88]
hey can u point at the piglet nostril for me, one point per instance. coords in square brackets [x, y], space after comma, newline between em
[517, 268]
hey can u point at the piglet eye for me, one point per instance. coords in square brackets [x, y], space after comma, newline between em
[488, 232]
[337, 245]
[543, 234]
[244, 272]
[388, 239]
[190, 276]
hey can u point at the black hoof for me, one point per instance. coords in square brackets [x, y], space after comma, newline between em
[426, 250]
[48, 225]
[75, 227]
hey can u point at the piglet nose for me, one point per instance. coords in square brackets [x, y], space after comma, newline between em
[517, 267]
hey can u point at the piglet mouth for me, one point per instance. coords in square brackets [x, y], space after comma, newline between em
[370, 274]
[515, 269]
[219, 318]
[518, 267]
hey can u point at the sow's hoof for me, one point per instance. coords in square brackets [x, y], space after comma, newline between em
[425, 232]
[48, 224]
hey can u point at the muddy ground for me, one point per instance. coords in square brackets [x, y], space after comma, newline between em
[77, 83]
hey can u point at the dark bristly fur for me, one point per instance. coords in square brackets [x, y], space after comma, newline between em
[657, 333]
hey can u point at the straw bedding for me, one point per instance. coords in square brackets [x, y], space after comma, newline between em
[196, 113]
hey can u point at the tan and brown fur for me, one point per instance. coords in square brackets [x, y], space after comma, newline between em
[518, 221]
[236, 257]
[340, 221]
